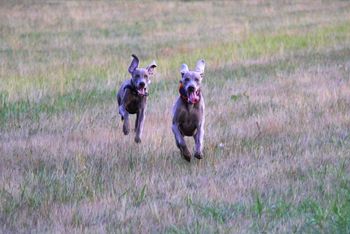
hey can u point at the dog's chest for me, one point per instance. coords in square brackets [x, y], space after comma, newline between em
[190, 116]
[134, 103]
[189, 119]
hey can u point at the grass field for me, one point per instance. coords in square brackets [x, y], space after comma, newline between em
[277, 93]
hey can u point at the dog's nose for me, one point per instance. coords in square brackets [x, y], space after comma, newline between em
[191, 88]
[142, 84]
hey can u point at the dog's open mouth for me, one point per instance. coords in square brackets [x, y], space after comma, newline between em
[142, 91]
[193, 96]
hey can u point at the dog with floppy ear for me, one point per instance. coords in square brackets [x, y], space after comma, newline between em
[132, 96]
[188, 111]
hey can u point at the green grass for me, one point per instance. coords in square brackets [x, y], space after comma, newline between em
[13, 113]
[271, 213]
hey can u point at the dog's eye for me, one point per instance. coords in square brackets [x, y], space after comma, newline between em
[146, 77]
[187, 79]
[197, 80]
[137, 76]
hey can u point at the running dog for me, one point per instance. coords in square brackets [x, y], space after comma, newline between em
[188, 111]
[132, 96]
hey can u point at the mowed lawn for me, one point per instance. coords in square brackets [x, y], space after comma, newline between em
[277, 132]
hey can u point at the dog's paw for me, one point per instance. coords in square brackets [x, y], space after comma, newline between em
[137, 139]
[126, 130]
[187, 157]
[186, 154]
[198, 155]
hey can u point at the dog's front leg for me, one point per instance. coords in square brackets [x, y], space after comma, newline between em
[198, 139]
[180, 142]
[125, 116]
[140, 119]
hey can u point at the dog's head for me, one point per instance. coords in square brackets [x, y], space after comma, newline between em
[191, 80]
[141, 76]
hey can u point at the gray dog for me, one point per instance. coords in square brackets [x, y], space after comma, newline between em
[132, 96]
[188, 112]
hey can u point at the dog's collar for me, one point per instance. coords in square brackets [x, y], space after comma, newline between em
[183, 94]
[133, 89]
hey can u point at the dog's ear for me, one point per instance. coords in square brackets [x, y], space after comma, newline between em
[183, 69]
[134, 64]
[200, 67]
[150, 68]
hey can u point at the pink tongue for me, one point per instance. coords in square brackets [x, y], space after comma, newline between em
[193, 97]
[142, 91]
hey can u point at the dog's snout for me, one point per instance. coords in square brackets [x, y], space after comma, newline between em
[191, 88]
[142, 84]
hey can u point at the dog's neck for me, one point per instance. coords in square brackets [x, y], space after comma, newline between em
[184, 97]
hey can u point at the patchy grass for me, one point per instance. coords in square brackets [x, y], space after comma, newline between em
[13, 113]
[277, 118]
